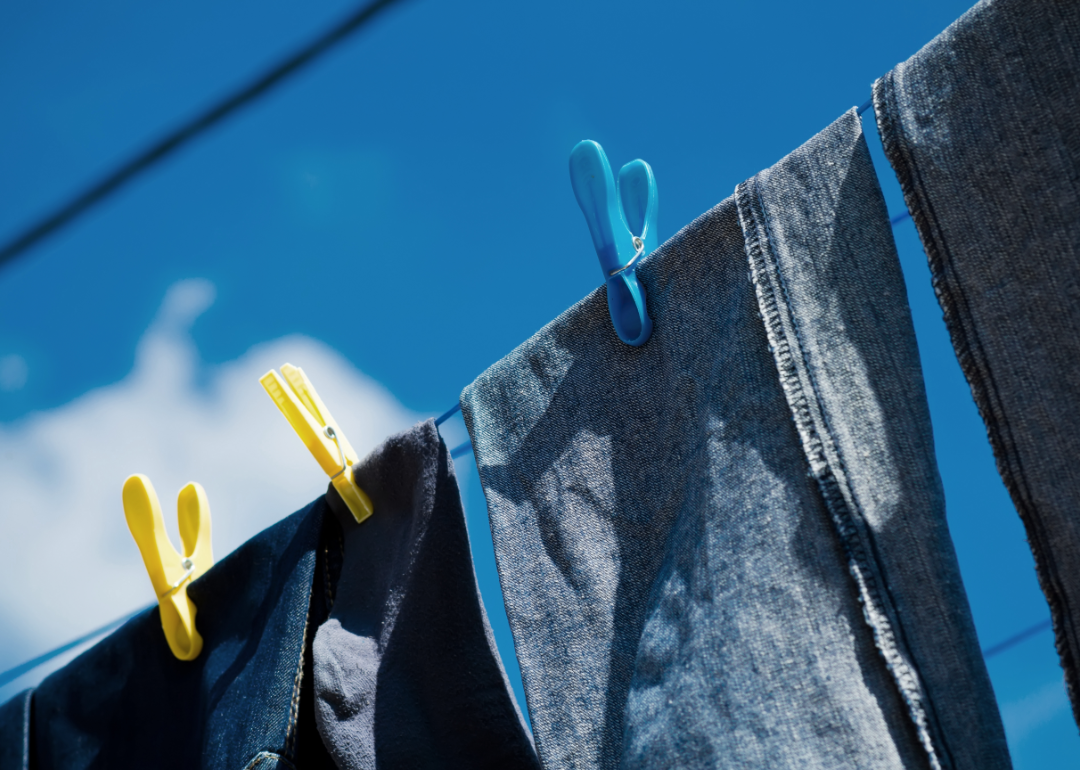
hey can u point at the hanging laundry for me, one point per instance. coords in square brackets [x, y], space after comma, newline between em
[982, 127]
[404, 670]
[728, 547]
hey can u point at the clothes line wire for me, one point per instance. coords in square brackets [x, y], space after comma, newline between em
[463, 449]
[14, 673]
[201, 123]
[151, 156]
[188, 131]
[1015, 639]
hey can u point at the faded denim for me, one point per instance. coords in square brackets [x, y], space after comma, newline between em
[982, 127]
[727, 547]
[439, 699]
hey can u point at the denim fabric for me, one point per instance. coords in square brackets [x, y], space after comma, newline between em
[15, 732]
[407, 674]
[728, 547]
[128, 703]
[983, 130]
[251, 698]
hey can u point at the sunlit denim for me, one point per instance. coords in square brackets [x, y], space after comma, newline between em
[983, 130]
[727, 547]
[439, 699]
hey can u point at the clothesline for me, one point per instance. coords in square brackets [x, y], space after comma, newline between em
[14, 673]
[462, 449]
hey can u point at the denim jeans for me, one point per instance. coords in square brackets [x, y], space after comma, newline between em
[252, 697]
[727, 547]
[982, 127]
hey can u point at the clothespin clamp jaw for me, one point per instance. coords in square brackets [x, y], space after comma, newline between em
[170, 573]
[623, 230]
[295, 396]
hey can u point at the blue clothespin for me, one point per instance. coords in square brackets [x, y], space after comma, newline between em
[623, 230]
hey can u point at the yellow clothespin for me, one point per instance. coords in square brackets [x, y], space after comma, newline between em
[295, 396]
[170, 572]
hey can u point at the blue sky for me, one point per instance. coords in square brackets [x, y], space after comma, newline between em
[401, 215]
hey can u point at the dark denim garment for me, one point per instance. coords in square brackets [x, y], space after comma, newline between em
[727, 547]
[128, 703]
[15, 732]
[983, 130]
[248, 700]
[407, 674]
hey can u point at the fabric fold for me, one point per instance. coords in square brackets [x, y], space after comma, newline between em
[275, 661]
[841, 335]
[407, 674]
[982, 128]
[128, 703]
[676, 561]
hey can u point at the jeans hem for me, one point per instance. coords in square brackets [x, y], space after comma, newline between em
[821, 453]
[973, 362]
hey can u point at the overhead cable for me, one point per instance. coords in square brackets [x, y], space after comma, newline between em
[183, 134]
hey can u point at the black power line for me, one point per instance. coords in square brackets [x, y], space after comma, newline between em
[127, 171]
[1015, 639]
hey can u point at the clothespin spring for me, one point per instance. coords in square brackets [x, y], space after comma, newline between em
[189, 567]
[332, 435]
[639, 246]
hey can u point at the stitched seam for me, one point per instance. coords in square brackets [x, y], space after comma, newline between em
[787, 354]
[262, 756]
[973, 361]
[294, 706]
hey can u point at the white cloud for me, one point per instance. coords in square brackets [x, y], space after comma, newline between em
[70, 563]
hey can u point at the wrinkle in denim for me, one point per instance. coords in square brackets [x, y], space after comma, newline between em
[675, 580]
[406, 671]
[269, 614]
[982, 127]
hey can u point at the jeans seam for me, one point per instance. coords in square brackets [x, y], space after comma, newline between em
[262, 756]
[817, 441]
[969, 351]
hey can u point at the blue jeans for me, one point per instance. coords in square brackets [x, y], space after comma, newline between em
[982, 127]
[260, 695]
[728, 547]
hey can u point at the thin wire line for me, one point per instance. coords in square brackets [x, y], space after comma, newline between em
[14, 673]
[894, 221]
[184, 134]
[448, 414]
[461, 449]
[188, 131]
[1015, 639]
